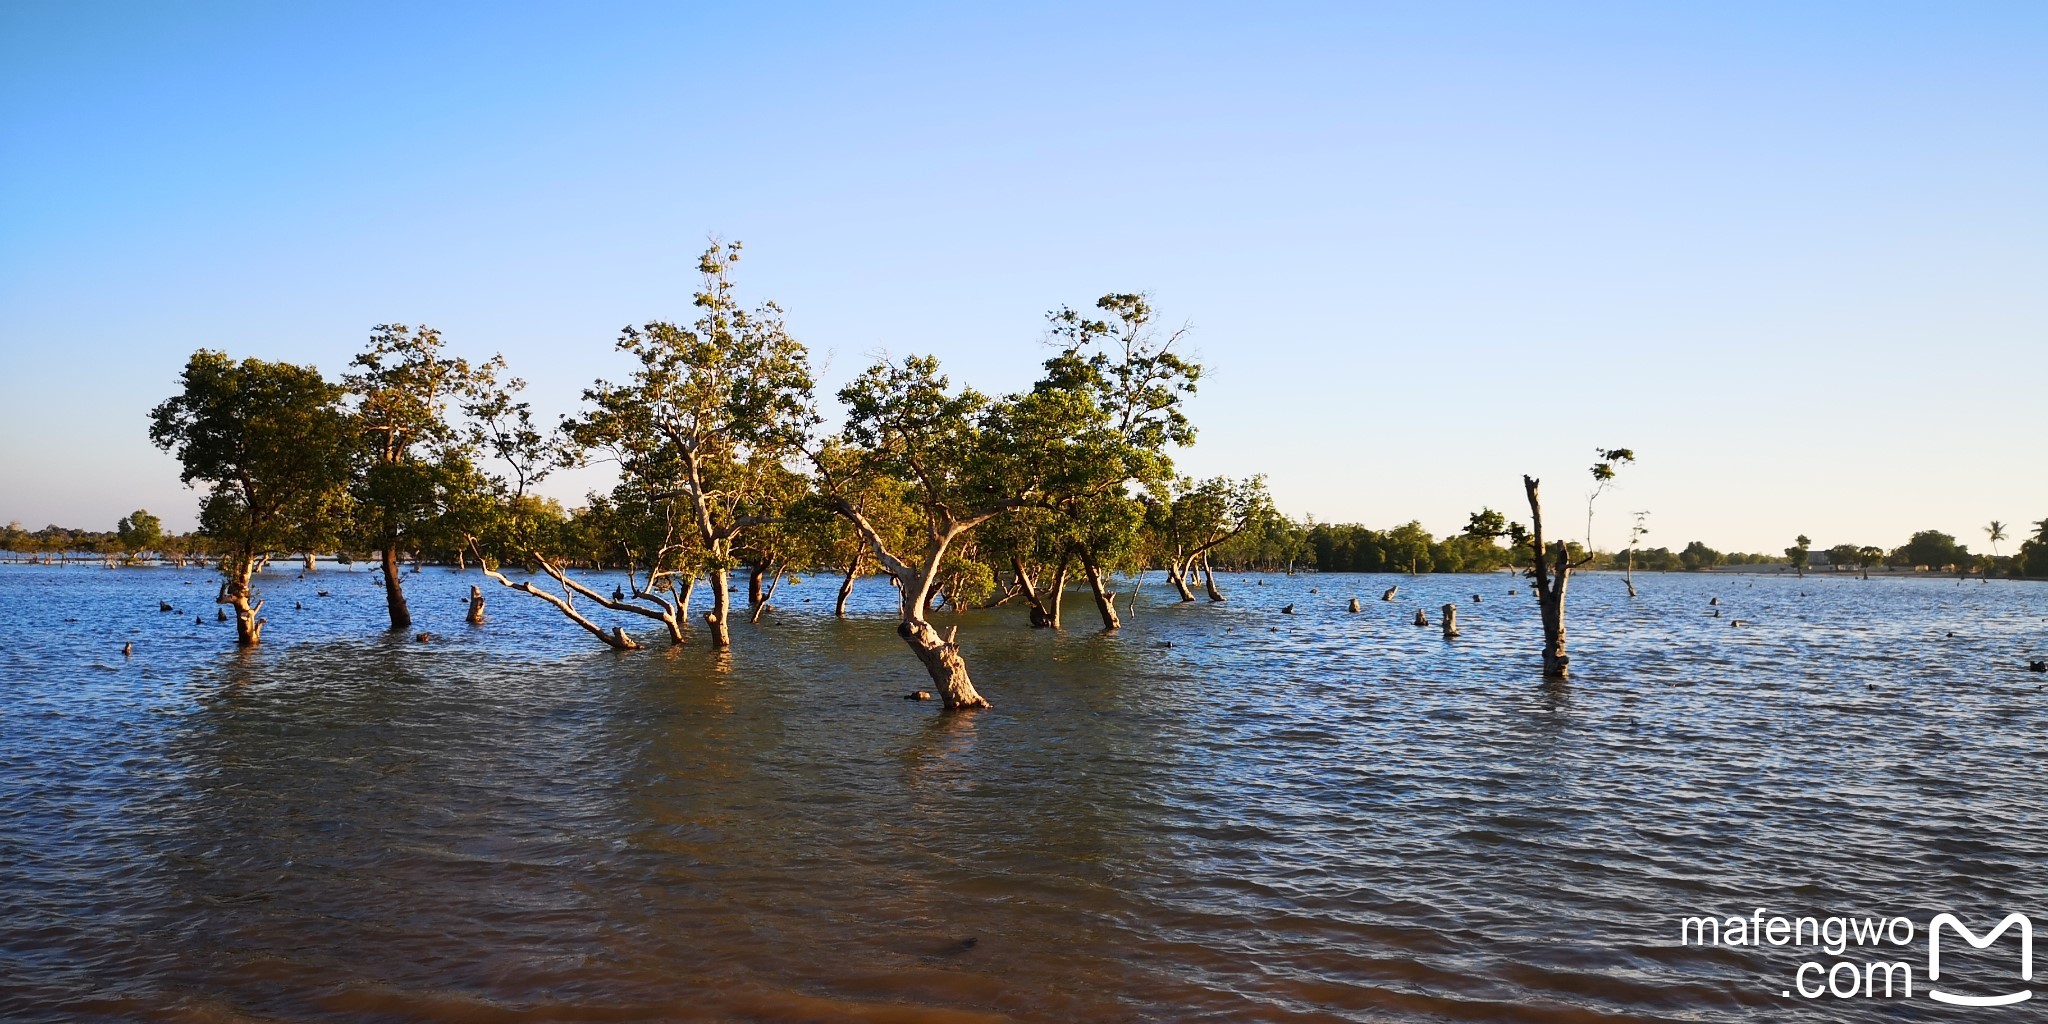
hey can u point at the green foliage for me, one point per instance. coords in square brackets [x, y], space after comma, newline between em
[272, 445]
[139, 531]
[1699, 556]
[1933, 549]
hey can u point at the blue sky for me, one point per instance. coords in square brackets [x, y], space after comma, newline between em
[1796, 255]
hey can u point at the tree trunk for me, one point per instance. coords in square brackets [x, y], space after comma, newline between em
[768, 595]
[1105, 602]
[311, 565]
[942, 661]
[1177, 574]
[755, 595]
[721, 611]
[1040, 617]
[236, 592]
[616, 639]
[394, 591]
[1551, 573]
[461, 563]
[1209, 581]
[846, 587]
[476, 605]
[1058, 594]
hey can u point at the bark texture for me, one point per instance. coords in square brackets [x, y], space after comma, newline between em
[476, 605]
[1105, 602]
[1551, 572]
[394, 591]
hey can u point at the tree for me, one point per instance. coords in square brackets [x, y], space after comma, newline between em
[1605, 459]
[405, 392]
[965, 459]
[1844, 554]
[708, 418]
[2033, 556]
[1486, 525]
[1199, 517]
[1550, 571]
[1133, 385]
[1933, 549]
[1635, 536]
[271, 442]
[1996, 531]
[1796, 555]
[138, 532]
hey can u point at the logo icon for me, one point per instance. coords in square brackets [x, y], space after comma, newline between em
[1934, 958]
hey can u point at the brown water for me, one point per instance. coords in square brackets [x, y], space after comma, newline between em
[1313, 817]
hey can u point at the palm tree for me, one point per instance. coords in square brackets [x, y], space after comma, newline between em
[1996, 531]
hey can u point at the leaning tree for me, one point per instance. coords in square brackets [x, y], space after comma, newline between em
[966, 460]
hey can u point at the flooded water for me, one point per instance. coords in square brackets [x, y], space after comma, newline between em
[1221, 813]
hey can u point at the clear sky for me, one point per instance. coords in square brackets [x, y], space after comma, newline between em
[1795, 255]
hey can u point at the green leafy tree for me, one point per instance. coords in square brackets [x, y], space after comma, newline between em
[1844, 555]
[709, 416]
[139, 531]
[965, 460]
[1933, 549]
[406, 392]
[271, 443]
[1199, 517]
[1796, 555]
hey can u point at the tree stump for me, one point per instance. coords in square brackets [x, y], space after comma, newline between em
[476, 606]
[1421, 617]
[1289, 610]
[1389, 595]
[1354, 605]
[1450, 621]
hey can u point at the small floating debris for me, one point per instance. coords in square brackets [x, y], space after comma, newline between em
[918, 695]
[2037, 666]
[1289, 610]
[320, 593]
[164, 606]
[128, 649]
[426, 638]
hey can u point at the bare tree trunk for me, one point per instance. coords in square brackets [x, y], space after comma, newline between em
[721, 611]
[476, 605]
[774, 583]
[236, 593]
[1178, 576]
[1551, 573]
[1209, 581]
[1059, 597]
[1105, 602]
[461, 563]
[311, 564]
[940, 656]
[1041, 618]
[394, 592]
[846, 587]
[755, 595]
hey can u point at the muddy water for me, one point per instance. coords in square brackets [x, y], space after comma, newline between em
[1222, 813]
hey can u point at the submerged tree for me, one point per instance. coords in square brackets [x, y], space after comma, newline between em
[1550, 570]
[272, 443]
[1199, 517]
[1134, 385]
[966, 460]
[406, 393]
[138, 531]
[1635, 537]
[708, 419]
[1796, 554]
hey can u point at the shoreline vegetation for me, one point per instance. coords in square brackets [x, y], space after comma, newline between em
[964, 500]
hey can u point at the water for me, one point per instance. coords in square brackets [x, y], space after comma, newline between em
[1313, 817]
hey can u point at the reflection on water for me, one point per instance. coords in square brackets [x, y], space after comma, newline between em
[1220, 813]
